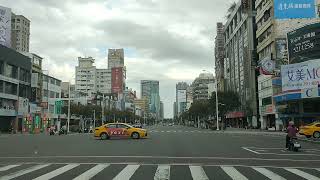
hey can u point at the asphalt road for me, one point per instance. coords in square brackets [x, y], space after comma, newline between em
[170, 152]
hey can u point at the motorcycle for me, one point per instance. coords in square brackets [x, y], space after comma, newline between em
[62, 131]
[52, 132]
[294, 145]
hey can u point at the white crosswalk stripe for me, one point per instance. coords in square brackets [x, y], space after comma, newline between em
[23, 172]
[57, 172]
[127, 172]
[269, 174]
[162, 173]
[6, 168]
[303, 174]
[92, 172]
[198, 173]
[233, 173]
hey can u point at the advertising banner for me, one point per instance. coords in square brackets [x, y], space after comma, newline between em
[304, 43]
[117, 80]
[292, 9]
[5, 26]
[281, 48]
[300, 75]
[23, 106]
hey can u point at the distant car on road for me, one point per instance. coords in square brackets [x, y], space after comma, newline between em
[309, 130]
[122, 130]
[137, 125]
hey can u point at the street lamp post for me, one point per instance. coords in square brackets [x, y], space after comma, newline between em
[68, 120]
[217, 104]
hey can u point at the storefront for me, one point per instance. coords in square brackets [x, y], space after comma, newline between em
[236, 119]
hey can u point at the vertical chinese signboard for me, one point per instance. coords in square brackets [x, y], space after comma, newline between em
[292, 9]
[305, 75]
[5, 26]
[117, 80]
[304, 43]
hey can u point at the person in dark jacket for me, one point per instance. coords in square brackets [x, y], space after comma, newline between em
[291, 133]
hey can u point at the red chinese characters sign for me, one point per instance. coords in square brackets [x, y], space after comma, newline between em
[117, 80]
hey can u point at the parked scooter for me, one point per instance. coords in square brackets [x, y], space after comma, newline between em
[294, 145]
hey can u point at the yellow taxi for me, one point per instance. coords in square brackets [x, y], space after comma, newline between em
[309, 130]
[119, 130]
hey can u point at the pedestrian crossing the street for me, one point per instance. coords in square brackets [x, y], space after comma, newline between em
[82, 171]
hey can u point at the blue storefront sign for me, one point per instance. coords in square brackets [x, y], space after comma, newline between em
[292, 9]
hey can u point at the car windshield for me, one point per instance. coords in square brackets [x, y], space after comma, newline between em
[159, 89]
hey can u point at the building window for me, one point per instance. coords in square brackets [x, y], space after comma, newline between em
[58, 83]
[11, 71]
[52, 81]
[23, 91]
[52, 94]
[57, 95]
[1, 67]
[1, 86]
[10, 88]
[266, 101]
[45, 93]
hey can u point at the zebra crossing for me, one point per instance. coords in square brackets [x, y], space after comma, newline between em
[82, 171]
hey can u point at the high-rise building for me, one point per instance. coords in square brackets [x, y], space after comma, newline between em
[201, 86]
[189, 97]
[181, 97]
[161, 110]
[20, 33]
[86, 76]
[150, 89]
[274, 20]
[219, 56]
[103, 80]
[5, 26]
[240, 62]
[115, 58]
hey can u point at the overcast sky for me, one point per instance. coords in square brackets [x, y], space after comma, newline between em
[165, 40]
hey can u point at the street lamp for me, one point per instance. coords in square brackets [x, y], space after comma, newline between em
[217, 102]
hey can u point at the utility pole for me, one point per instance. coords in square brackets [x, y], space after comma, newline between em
[68, 122]
[94, 119]
[102, 106]
[198, 122]
[114, 118]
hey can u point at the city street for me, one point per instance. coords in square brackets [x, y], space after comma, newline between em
[169, 152]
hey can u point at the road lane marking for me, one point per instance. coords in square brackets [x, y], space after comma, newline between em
[269, 174]
[5, 168]
[302, 174]
[162, 131]
[162, 172]
[168, 131]
[233, 173]
[57, 172]
[127, 172]
[24, 171]
[198, 173]
[91, 172]
[174, 131]
[160, 157]
[250, 150]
